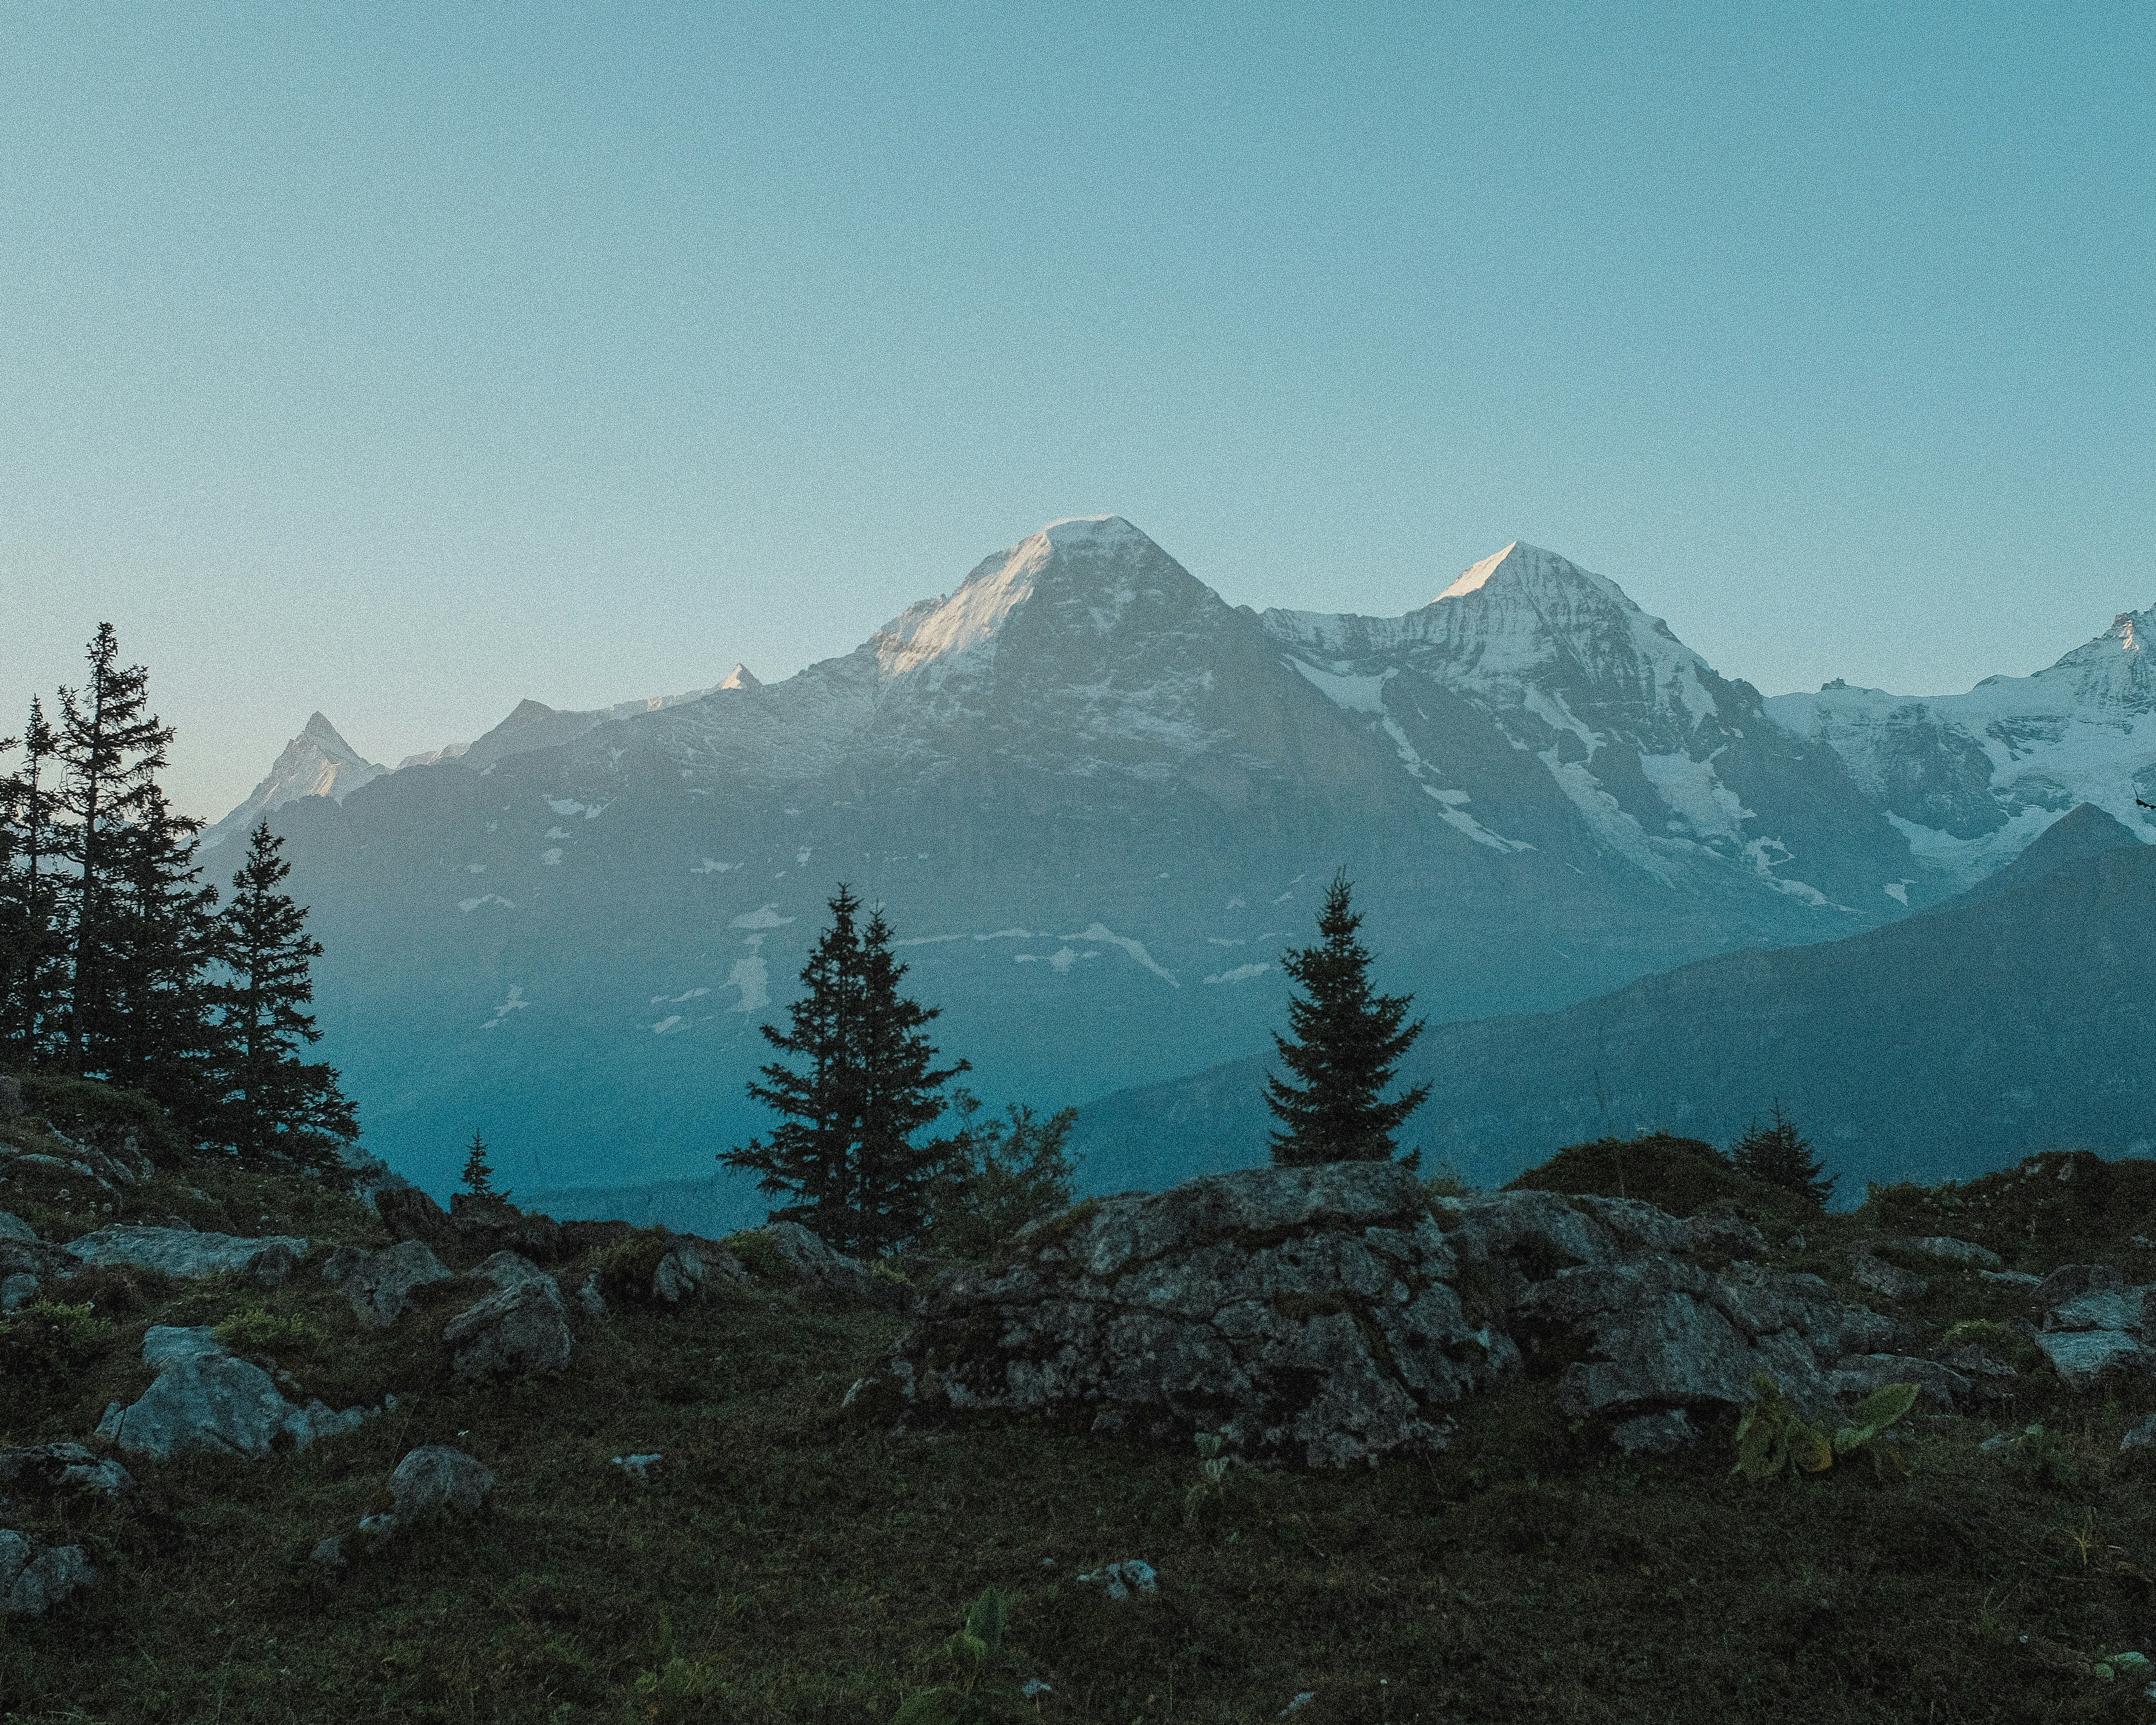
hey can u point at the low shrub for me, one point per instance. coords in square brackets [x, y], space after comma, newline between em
[760, 1255]
[626, 1267]
[48, 1339]
[275, 1335]
[1683, 1176]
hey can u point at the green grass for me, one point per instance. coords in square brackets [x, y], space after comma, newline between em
[788, 1562]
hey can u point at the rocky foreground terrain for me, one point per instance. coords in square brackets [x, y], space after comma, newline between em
[1326, 1439]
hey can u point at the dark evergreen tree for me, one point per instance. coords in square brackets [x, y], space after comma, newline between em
[112, 748]
[1779, 1155]
[276, 1103]
[1347, 1044]
[155, 1025]
[863, 1085]
[901, 1093]
[479, 1173]
[32, 942]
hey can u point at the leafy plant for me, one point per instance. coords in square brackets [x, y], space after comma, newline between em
[2044, 1460]
[48, 1336]
[1207, 1496]
[1773, 1438]
[255, 1330]
[971, 1654]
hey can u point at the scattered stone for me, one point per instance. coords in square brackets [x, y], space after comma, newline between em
[2015, 1278]
[638, 1467]
[330, 1553]
[1861, 1373]
[56, 1467]
[1795, 1243]
[508, 1270]
[272, 1267]
[1123, 1580]
[408, 1213]
[1033, 1686]
[591, 1297]
[484, 1224]
[1889, 1281]
[1974, 1361]
[14, 1227]
[523, 1328]
[1959, 1251]
[203, 1399]
[2141, 1437]
[185, 1252]
[2070, 1282]
[2084, 1357]
[439, 1478]
[824, 1269]
[17, 1290]
[1299, 1702]
[380, 1284]
[1997, 1441]
[1661, 1434]
[2122, 1308]
[33, 1581]
[681, 1273]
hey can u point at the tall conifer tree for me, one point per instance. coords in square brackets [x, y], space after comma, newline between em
[277, 1103]
[1347, 1045]
[862, 1084]
[32, 950]
[112, 747]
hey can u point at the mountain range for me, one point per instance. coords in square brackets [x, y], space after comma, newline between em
[1096, 800]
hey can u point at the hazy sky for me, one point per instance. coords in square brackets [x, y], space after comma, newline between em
[405, 361]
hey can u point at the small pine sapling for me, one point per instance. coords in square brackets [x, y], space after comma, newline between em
[478, 1175]
[1777, 1154]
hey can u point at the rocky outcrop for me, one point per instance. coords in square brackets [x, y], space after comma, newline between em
[1889, 1281]
[204, 1399]
[1308, 1314]
[380, 1284]
[185, 1253]
[826, 1270]
[28, 1265]
[483, 1223]
[2095, 1324]
[408, 1213]
[64, 1467]
[33, 1580]
[525, 1327]
[1324, 1316]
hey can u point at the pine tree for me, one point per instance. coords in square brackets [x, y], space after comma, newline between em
[156, 1026]
[901, 1093]
[32, 941]
[863, 1086]
[276, 1103]
[479, 1173]
[1779, 1155]
[1347, 1045]
[112, 748]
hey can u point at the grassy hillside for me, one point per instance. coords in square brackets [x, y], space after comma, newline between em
[786, 1562]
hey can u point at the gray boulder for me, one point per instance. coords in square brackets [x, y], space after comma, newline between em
[31, 1581]
[64, 1467]
[1859, 1374]
[204, 1399]
[17, 1291]
[525, 1327]
[14, 1227]
[2095, 1324]
[380, 1284]
[1889, 1281]
[2085, 1358]
[439, 1478]
[2141, 1437]
[1308, 1314]
[682, 1272]
[185, 1253]
[826, 1270]
[508, 1270]
[1956, 1251]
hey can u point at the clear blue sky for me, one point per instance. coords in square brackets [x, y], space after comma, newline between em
[404, 361]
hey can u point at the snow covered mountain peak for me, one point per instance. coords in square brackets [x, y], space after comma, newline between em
[741, 677]
[317, 762]
[1090, 570]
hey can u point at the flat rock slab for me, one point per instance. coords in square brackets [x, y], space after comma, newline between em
[380, 1284]
[63, 1467]
[205, 1401]
[438, 1477]
[2082, 1357]
[523, 1328]
[182, 1251]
